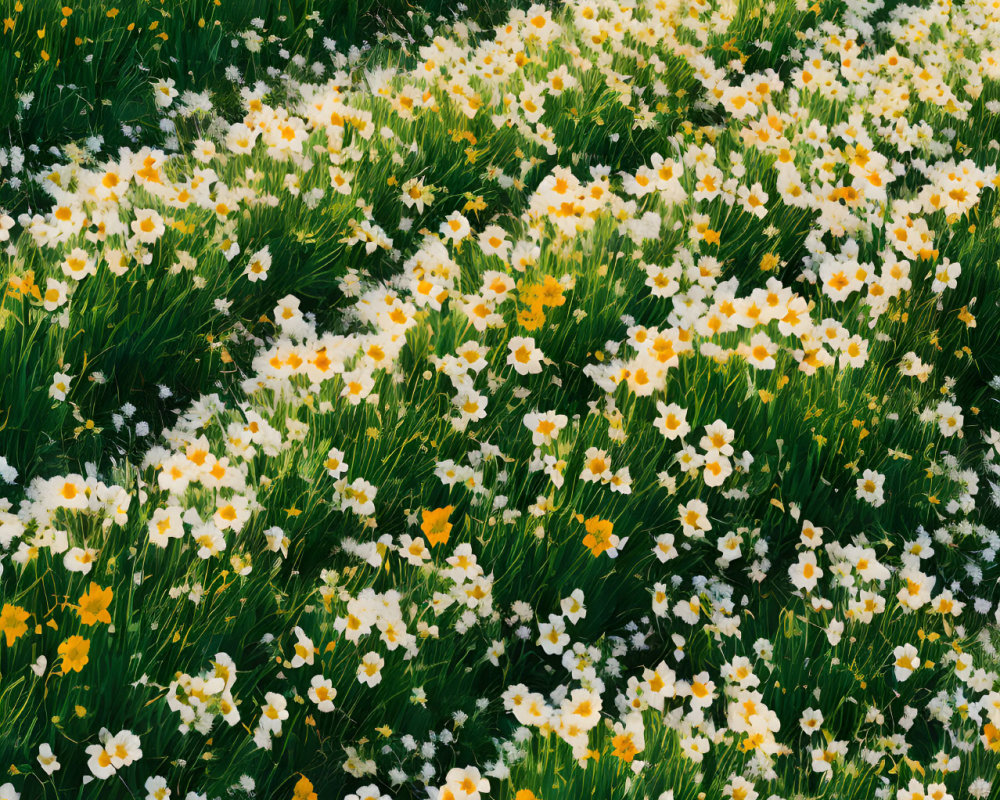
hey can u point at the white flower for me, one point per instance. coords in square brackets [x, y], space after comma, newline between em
[322, 693]
[305, 650]
[552, 635]
[273, 712]
[370, 792]
[455, 227]
[6, 223]
[949, 418]
[524, 357]
[164, 92]
[694, 519]
[497, 649]
[55, 294]
[544, 427]
[47, 758]
[7, 473]
[260, 263]
[466, 783]
[811, 721]
[493, 241]
[156, 788]
[906, 661]
[335, 464]
[148, 226]
[60, 386]
[573, 607]
[717, 439]
[664, 549]
[804, 574]
[370, 669]
[672, 421]
[870, 488]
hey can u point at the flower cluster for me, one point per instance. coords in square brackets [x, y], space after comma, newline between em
[602, 401]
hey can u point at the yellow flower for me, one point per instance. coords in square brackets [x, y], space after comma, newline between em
[769, 262]
[75, 653]
[531, 319]
[93, 607]
[551, 292]
[12, 622]
[304, 790]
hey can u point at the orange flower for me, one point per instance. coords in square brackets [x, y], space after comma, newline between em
[625, 748]
[12, 622]
[93, 607]
[435, 526]
[25, 285]
[599, 535]
[991, 737]
[75, 653]
[526, 794]
[304, 790]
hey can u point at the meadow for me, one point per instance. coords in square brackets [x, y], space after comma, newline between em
[508, 401]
